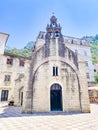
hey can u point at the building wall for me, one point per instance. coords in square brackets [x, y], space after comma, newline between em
[44, 79]
[72, 80]
[84, 53]
[18, 76]
[3, 40]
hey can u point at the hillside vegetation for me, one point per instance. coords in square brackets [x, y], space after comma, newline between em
[94, 51]
[94, 47]
[26, 51]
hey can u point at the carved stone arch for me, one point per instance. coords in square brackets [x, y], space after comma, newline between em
[46, 61]
[49, 60]
[67, 75]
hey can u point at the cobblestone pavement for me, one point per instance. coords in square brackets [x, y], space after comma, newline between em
[12, 119]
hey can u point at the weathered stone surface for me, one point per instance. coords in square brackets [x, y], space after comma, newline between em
[71, 76]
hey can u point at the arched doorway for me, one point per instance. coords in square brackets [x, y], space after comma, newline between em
[56, 97]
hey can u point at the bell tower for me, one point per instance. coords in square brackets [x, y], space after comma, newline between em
[53, 30]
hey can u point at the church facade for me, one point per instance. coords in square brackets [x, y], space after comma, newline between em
[57, 79]
[54, 79]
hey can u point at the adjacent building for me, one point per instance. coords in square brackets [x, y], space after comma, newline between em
[13, 70]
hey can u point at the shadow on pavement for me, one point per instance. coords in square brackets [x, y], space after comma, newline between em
[6, 112]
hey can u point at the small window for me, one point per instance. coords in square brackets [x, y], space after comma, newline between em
[72, 42]
[94, 70]
[85, 53]
[86, 63]
[69, 55]
[55, 71]
[91, 93]
[7, 78]
[81, 43]
[21, 63]
[87, 75]
[57, 34]
[9, 61]
[4, 95]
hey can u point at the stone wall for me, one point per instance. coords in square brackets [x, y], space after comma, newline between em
[66, 78]
[18, 76]
[70, 77]
[84, 53]
[3, 40]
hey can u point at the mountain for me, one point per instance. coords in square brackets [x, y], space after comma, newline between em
[29, 45]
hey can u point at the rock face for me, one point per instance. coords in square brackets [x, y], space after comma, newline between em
[57, 80]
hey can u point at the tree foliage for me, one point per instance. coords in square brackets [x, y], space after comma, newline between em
[25, 52]
[94, 51]
[96, 78]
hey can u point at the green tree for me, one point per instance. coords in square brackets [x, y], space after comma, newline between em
[96, 78]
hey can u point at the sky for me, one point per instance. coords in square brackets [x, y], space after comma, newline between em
[23, 19]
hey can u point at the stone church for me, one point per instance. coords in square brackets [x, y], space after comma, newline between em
[56, 80]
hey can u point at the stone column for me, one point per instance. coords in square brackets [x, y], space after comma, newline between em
[27, 103]
[28, 90]
[16, 93]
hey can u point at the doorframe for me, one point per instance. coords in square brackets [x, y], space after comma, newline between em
[60, 87]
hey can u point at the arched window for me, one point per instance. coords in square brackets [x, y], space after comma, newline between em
[55, 71]
[57, 34]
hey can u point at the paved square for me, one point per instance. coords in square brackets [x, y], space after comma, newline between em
[12, 119]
